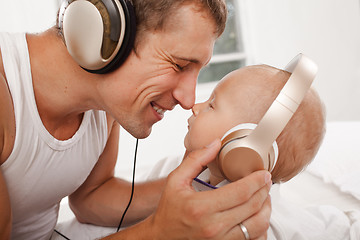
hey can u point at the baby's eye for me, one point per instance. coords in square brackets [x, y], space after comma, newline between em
[211, 102]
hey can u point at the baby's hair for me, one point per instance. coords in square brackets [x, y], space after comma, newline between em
[302, 136]
[300, 140]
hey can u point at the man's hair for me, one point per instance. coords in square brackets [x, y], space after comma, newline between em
[152, 15]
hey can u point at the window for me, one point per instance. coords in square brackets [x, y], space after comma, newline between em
[229, 48]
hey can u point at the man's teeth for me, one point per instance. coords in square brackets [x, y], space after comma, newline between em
[159, 110]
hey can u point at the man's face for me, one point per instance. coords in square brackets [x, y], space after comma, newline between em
[163, 71]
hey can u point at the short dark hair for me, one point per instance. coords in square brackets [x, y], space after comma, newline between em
[152, 14]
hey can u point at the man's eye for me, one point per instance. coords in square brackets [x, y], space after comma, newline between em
[180, 68]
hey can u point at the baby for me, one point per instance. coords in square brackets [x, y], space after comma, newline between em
[243, 96]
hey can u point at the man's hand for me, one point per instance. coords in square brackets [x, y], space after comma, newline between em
[184, 213]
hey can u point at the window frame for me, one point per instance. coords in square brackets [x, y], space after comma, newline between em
[204, 89]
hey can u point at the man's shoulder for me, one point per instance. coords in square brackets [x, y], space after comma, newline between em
[7, 120]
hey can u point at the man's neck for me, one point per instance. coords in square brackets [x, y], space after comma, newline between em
[60, 88]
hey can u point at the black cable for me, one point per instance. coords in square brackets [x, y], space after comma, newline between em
[132, 187]
[61, 234]
[131, 196]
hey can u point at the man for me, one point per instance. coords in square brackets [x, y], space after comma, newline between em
[55, 142]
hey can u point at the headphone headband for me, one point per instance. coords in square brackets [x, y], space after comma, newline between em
[303, 71]
[247, 148]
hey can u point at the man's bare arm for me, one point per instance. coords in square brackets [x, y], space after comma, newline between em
[7, 135]
[102, 198]
[5, 210]
[183, 213]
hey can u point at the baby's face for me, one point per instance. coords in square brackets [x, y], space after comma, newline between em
[234, 100]
[212, 118]
[229, 105]
[242, 96]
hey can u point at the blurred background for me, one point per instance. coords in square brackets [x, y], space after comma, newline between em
[258, 31]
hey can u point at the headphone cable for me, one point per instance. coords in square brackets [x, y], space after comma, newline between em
[131, 196]
[132, 186]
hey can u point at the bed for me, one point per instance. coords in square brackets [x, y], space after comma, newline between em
[323, 200]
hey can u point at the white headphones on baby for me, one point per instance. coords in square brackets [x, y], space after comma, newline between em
[249, 147]
[99, 34]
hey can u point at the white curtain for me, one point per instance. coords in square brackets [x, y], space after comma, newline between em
[27, 15]
[328, 31]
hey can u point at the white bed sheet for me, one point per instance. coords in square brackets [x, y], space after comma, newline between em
[328, 190]
[338, 161]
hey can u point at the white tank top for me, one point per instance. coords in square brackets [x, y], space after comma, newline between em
[41, 170]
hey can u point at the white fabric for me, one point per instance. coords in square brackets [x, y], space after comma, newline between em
[41, 170]
[321, 222]
[289, 221]
[306, 207]
[338, 159]
[74, 230]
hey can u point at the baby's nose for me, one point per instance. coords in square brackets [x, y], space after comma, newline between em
[195, 109]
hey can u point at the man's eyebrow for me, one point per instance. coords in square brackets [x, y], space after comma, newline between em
[187, 59]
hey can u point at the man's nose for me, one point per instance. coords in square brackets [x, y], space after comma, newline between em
[184, 92]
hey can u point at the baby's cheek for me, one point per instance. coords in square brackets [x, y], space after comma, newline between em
[194, 141]
[187, 144]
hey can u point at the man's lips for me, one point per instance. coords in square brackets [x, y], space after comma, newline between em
[159, 109]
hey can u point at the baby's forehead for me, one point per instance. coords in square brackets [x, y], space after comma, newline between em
[255, 75]
[252, 84]
[253, 72]
[244, 77]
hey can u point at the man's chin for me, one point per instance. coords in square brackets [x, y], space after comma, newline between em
[140, 133]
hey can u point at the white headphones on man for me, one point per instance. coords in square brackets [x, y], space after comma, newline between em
[249, 147]
[99, 34]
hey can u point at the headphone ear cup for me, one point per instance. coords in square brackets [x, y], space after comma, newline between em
[128, 29]
[99, 34]
[236, 159]
[83, 33]
[239, 156]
